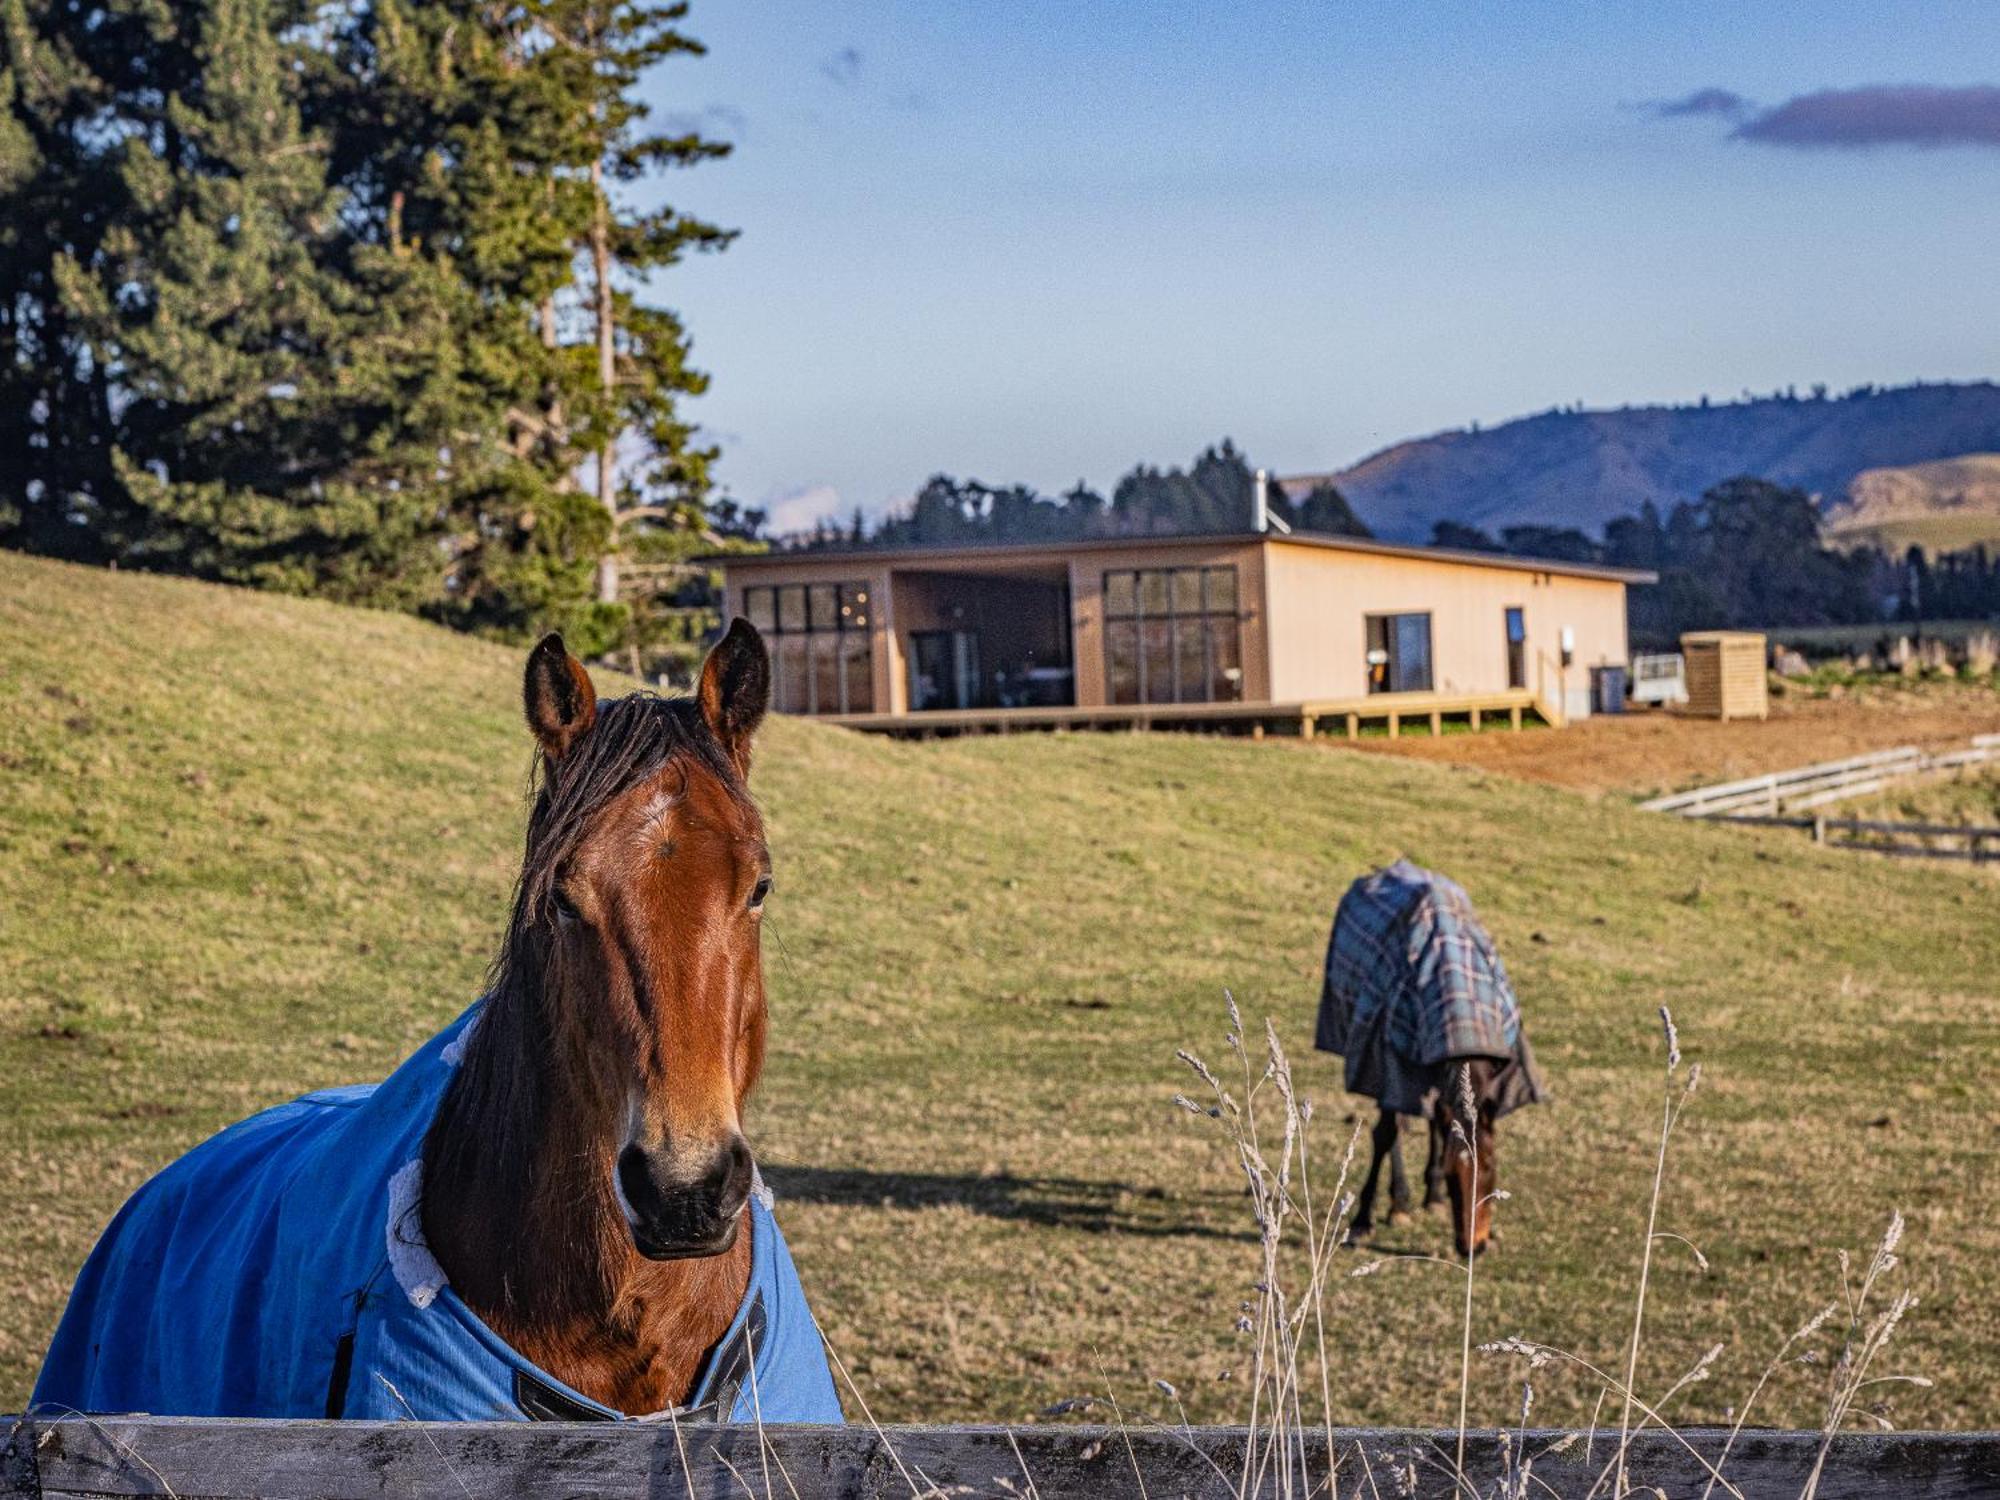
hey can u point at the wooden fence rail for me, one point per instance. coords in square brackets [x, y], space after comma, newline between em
[245, 1460]
[1824, 782]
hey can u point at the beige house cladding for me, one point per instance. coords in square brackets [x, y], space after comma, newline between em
[1160, 627]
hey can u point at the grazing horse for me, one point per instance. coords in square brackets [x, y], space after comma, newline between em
[1417, 1001]
[549, 1210]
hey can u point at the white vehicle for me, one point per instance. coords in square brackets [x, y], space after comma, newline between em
[1660, 678]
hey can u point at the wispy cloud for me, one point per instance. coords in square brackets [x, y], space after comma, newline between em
[802, 508]
[1880, 115]
[1883, 114]
[1710, 101]
[844, 67]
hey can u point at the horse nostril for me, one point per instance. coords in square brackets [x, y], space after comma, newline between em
[734, 1172]
[635, 1181]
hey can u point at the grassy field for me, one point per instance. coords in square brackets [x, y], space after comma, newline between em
[1968, 798]
[250, 846]
[1936, 534]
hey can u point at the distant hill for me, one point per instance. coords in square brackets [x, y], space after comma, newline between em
[1583, 468]
[1944, 506]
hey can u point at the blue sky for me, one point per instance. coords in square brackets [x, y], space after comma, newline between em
[1038, 241]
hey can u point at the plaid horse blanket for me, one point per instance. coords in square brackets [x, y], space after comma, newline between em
[1413, 983]
[279, 1270]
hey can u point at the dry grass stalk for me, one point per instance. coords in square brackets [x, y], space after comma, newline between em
[1280, 1192]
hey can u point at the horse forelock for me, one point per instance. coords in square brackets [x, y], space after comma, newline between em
[634, 739]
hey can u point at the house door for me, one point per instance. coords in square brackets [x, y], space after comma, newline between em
[944, 669]
[1517, 648]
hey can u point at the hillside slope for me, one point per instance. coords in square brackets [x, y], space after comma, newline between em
[1944, 506]
[1583, 468]
[250, 846]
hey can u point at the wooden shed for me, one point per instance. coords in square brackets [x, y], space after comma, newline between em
[1725, 674]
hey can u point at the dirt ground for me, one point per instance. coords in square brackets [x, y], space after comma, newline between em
[1657, 751]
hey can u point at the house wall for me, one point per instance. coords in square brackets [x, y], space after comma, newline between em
[1086, 593]
[1302, 612]
[1318, 600]
[905, 597]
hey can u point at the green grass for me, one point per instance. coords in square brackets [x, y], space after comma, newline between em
[1967, 798]
[249, 846]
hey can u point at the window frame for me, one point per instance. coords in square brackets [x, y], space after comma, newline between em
[846, 601]
[1128, 627]
[1517, 645]
[1394, 666]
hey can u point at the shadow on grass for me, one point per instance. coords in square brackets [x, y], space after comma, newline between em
[1060, 1202]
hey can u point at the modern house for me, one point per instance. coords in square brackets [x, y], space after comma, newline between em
[1255, 628]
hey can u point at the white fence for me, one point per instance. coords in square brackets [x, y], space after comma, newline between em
[1829, 781]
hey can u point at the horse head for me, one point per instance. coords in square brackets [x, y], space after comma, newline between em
[1465, 1117]
[641, 900]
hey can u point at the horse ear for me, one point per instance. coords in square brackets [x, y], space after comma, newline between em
[735, 690]
[560, 698]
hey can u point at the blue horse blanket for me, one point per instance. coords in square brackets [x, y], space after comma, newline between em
[279, 1270]
[1413, 983]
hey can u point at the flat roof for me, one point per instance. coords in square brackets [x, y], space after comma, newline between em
[1000, 550]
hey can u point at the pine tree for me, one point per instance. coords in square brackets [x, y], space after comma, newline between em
[282, 408]
[641, 368]
[308, 297]
[501, 134]
[69, 93]
[452, 140]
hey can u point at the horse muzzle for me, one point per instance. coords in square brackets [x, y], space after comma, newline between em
[674, 1217]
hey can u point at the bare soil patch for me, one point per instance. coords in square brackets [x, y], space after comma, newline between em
[1651, 752]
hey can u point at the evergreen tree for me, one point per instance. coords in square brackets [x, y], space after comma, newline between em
[281, 411]
[1555, 543]
[70, 94]
[627, 395]
[317, 298]
[453, 132]
[1326, 511]
[1461, 537]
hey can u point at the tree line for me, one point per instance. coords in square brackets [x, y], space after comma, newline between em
[346, 300]
[1749, 553]
[1746, 553]
[1215, 493]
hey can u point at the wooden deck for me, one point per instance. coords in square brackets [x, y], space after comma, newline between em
[1341, 717]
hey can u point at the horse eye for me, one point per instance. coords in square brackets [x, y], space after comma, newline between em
[565, 908]
[759, 891]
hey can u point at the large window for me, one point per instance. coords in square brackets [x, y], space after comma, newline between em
[818, 635]
[1171, 636]
[1399, 653]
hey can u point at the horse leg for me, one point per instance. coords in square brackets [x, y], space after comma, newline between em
[1434, 1193]
[1382, 1143]
[1399, 1179]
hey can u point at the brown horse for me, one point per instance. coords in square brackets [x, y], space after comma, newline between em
[1461, 1163]
[586, 1174]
